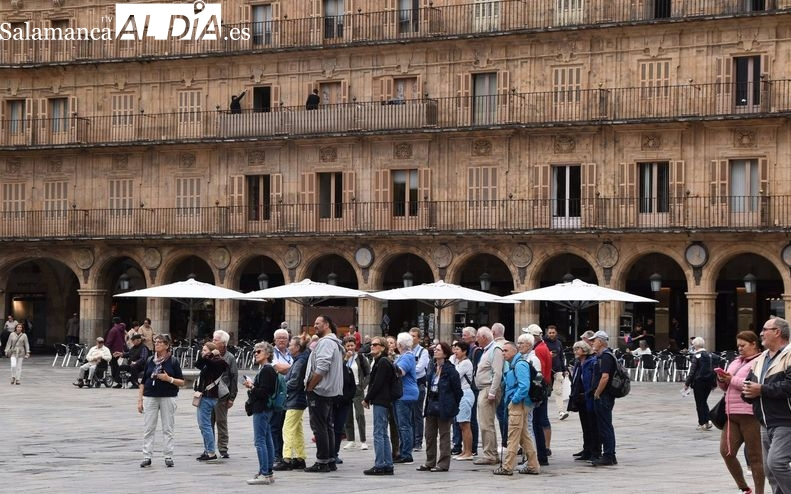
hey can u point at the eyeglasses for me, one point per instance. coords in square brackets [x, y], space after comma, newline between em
[767, 329]
[258, 351]
[377, 344]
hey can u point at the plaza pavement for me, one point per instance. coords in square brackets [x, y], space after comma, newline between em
[61, 439]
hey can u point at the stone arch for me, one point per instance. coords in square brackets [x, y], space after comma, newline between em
[107, 281]
[403, 314]
[379, 271]
[257, 320]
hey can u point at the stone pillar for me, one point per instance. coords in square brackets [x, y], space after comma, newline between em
[609, 319]
[295, 314]
[525, 313]
[226, 317]
[702, 321]
[159, 313]
[786, 308]
[368, 317]
[92, 322]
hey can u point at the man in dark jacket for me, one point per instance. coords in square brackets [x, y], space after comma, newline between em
[116, 342]
[136, 359]
[231, 378]
[768, 387]
[379, 395]
[559, 370]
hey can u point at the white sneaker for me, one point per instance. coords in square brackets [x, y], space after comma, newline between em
[363, 446]
[563, 415]
[708, 425]
[260, 480]
[700, 428]
[350, 445]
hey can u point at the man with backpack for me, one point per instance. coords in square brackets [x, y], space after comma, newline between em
[603, 400]
[323, 386]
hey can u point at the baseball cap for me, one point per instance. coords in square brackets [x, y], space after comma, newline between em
[137, 336]
[601, 335]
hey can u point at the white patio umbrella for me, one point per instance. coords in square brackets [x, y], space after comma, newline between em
[440, 295]
[187, 293]
[306, 293]
[576, 295]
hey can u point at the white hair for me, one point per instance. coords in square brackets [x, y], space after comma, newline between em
[223, 336]
[281, 332]
[404, 340]
[698, 342]
[485, 333]
[498, 330]
[469, 331]
[526, 338]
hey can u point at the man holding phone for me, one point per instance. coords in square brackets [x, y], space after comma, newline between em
[768, 388]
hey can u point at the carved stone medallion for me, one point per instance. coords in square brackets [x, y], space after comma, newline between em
[607, 255]
[521, 256]
[292, 257]
[83, 258]
[152, 258]
[442, 256]
[221, 258]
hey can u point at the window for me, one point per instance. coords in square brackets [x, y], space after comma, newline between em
[330, 195]
[120, 197]
[188, 196]
[408, 16]
[59, 114]
[333, 19]
[754, 5]
[655, 79]
[481, 185]
[566, 191]
[484, 98]
[13, 200]
[331, 93]
[486, 15]
[568, 12]
[259, 203]
[405, 192]
[123, 110]
[745, 186]
[406, 88]
[17, 113]
[262, 25]
[654, 183]
[59, 47]
[262, 99]
[56, 201]
[189, 107]
[566, 84]
[662, 9]
[748, 82]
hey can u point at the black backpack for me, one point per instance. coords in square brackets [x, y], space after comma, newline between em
[620, 385]
[396, 385]
[538, 391]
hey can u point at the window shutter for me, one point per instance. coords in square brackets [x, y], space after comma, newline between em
[763, 176]
[275, 10]
[541, 181]
[344, 92]
[3, 105]
[236, 193]
[473, 184]
[42, 126]
[244, 13]
[463, 85]
[678, 192]
[386, 88]
[626, 184]
[276, 97]
[424, 185]
[276, 188]
[724, 69]
[588, 185]
[719, 182]
[307, 188]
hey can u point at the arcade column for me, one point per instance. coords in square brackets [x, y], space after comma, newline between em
[92, 312]
[702, 320]
[226, 317]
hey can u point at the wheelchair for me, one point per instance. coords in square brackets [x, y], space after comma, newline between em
[101, 375]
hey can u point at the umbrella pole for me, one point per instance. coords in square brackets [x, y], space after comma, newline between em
[576, 322]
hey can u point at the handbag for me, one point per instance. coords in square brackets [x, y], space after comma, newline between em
[196, 397]
[717, 414]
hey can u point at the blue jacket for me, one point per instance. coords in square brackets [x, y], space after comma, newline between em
[517, 382]
[589, 380]
[443, 403]
[295, 385]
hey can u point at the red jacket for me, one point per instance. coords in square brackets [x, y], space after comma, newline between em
[545, 356]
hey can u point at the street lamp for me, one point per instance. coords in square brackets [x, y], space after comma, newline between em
[124, 281]
[332, 278]
[409, 279]
[263, 281]
[656, 282]
[486, 281]
[750, 283]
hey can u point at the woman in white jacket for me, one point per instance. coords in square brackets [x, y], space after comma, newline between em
[17, 349]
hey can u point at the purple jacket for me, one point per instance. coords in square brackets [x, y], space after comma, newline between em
[116, 341]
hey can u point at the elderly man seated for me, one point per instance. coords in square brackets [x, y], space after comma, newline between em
[641, 350]
[98, 355]
[136, 358]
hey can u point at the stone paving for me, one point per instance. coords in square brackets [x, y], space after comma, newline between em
[62, 439]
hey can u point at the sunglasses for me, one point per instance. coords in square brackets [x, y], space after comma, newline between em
[258, 351]
[377, 344]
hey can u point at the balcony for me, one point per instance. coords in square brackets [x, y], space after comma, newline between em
[692, 102]
[729, 213]
[482, 18]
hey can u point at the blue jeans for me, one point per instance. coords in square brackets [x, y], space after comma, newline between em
[603, 408]
[383, 455]
[403, 414]
[204, 424]
[262, 438]
[540, 422]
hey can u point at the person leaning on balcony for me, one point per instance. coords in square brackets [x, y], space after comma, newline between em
[236, 106]
[313, 100]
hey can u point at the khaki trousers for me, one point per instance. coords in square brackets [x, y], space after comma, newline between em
[487, 411]
[519, 434]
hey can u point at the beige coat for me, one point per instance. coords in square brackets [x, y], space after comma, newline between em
[17, 345]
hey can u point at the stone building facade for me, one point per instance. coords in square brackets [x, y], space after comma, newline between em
[516, 142]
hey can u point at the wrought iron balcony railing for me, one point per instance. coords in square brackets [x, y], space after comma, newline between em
[480, 18]
[510, 110]
[728, 213]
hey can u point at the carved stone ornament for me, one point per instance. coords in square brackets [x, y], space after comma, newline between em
[651, 141]
[13, 167]
[328, 154]
[152, 258]
[442, 256]
[292, 257]
[256, 157]
[58, 3]
[521, 256]
[55, 166]
[743, 138]
[221, 257]
[402, 150]
[83, 258]
[16, 4]
[607, 255]
[481, 147]
[120, 162]
[564, 144]
[187, 160]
